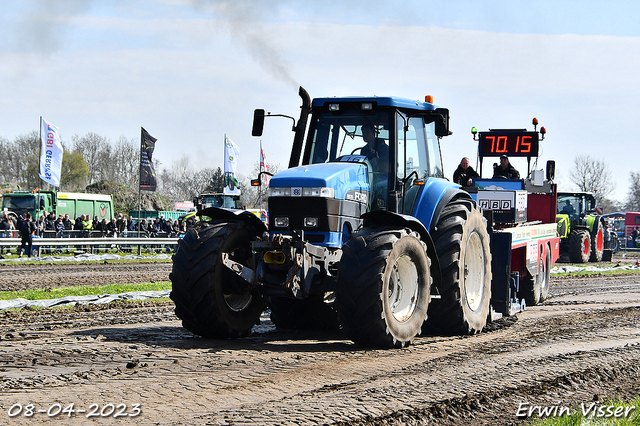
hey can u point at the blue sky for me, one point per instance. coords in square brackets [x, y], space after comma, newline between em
[192, 71]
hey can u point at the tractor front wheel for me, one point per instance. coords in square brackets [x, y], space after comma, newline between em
[211, 300]
[579, 246]
[383, 287]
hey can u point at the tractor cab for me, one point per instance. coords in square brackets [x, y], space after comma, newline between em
[576, 204]
[394, 138]
[580, 227]
[361, 155]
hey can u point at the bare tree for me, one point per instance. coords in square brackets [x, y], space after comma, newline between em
[255, 197]
[633, 199]
[124, 160]
[22, 159]
[591, 175]
[92, 147]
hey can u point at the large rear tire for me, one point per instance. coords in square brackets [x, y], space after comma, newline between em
[579, 246]
[312, 313]
[383, 287]
[210, 299]
[462, 244]
[597, 243]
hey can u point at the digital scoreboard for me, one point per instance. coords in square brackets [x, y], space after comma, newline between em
[508, 142]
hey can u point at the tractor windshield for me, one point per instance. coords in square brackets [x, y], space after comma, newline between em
[351, 132]
[576, 204]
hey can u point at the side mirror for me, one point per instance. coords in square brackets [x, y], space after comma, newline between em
[551, 170]
[258, 122]
[442, 122]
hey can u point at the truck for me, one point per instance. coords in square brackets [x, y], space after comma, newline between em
[580, 226]
[365, 233]
[74, 204]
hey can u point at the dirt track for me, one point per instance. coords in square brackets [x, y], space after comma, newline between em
[580, 346]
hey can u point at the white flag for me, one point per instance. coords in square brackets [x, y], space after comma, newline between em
[50, 154]
[231, 153]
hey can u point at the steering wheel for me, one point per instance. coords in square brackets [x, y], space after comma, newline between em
[357, 148]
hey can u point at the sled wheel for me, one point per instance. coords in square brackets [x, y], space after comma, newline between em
[535, 289]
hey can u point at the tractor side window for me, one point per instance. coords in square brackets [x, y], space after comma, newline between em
[433, 151]
[412, 152]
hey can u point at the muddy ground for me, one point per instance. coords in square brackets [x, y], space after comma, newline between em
[134, 364]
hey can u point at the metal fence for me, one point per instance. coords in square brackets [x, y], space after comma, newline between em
[92, 242]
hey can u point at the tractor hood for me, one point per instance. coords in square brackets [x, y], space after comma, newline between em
[345, 178]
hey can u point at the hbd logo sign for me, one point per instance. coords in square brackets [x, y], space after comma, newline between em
[496, 204]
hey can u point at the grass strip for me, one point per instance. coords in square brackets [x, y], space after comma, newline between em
[608, 412]
[55, 293]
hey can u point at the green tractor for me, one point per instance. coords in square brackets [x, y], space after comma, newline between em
[580, 227]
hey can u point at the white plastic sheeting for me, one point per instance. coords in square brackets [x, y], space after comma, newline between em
[90, 299]
[569, 269]
[85, 257]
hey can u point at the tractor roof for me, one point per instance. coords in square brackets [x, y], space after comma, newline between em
[380, 101]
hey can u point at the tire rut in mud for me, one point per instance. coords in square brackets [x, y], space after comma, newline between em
[55, 275]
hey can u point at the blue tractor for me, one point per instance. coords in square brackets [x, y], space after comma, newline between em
[364, 232]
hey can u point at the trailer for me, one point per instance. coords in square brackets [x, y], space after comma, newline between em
[74, 204]
[521, 211]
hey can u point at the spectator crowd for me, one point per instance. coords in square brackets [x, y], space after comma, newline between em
[47, 225]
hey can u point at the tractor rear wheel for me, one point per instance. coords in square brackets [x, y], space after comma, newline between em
[313, 313]
[462, 244]
[211, 300]
[383, 287]
[597, 243]
[579, 246]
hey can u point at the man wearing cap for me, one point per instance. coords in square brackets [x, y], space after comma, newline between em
[505, 169]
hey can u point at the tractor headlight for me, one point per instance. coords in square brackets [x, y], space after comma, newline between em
[279, 192]
[319, 192]
[323, 192]
[281, 222]
[310, 222]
